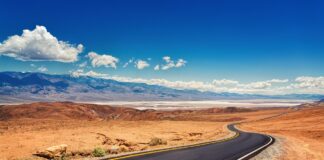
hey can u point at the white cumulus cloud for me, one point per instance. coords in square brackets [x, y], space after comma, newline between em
[82, 65]
[157, 67]
[278, 81]
[263, 84]
[141, 64]
[226, 85]
[128, 62]
[80, 72]
[98, 60]
[39, 45]
[42, 69]
[223, 82]
[258, 85]
[268, 87]
[169, 63]
[180, 63]
[167, 59]
[309, 82]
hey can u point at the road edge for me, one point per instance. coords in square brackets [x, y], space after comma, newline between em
[134, 154]
[245, 157]
[258, 150]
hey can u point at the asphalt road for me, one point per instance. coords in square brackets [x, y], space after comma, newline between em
[244, 146]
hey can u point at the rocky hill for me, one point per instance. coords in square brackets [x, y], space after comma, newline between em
[79, 111]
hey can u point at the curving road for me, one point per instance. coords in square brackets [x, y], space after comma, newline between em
[243, 146]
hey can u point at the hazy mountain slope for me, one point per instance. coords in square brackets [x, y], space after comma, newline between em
[24, 87]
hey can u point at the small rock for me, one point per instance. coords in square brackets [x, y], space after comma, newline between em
[114, 149]
[124, 148]
[52, 152]
[157, 141]
[128, 144]
[195, 134]
[81, 153]
[124, 142]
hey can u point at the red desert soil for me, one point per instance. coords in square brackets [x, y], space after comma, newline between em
[78, 111]
[27, 128]
[302, 130]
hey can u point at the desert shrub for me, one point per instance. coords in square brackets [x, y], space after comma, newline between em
[156, 141]
[98, 152]
[63, 157]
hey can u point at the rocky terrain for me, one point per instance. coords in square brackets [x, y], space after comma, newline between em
[84, 130]
[300, 130]
[80, 111]
[78, 130]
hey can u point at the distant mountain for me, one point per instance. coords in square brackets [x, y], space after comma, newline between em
[28, 87]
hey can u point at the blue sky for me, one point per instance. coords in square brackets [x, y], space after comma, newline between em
[246, 41]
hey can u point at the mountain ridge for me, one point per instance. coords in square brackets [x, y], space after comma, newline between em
[34, 86]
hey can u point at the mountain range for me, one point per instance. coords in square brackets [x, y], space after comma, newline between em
[18, 87]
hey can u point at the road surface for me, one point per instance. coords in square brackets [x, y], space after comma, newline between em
[242, 146]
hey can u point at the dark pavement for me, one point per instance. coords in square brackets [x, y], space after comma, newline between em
[232, 149]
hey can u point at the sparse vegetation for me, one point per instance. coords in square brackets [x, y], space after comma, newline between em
[98, 152]
[84, 131]
[63, 157]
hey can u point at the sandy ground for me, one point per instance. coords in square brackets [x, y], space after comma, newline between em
[23, 137]
[27, 138]
[301, 132]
